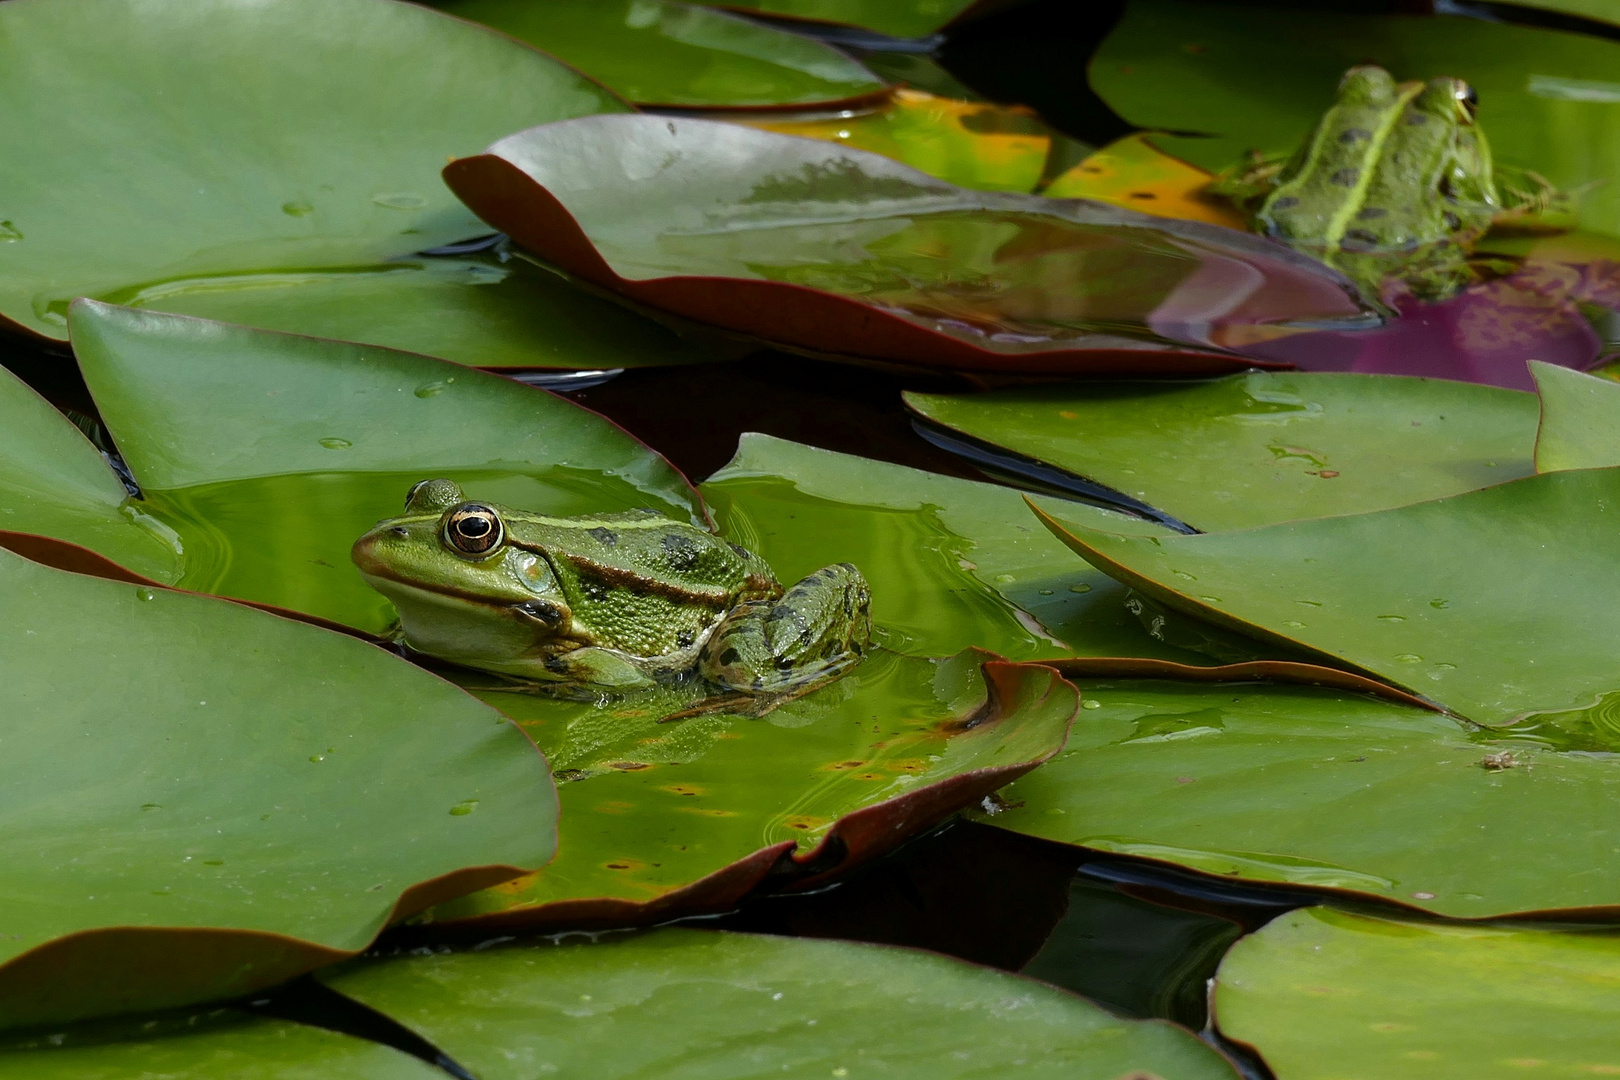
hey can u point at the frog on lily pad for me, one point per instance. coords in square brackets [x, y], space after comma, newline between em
[610, 602]
[1394, 186]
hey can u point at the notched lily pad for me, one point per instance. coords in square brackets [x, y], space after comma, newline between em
[1323, 789]
[1259, 448]
[288, 178]
[202, 799]
[831, 249]
[691, 1003]
[339, 433]
[1580, 420]
[662, 820]
[1468, 600]
[1411, 1002]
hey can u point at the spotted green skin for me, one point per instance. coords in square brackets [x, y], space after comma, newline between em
[1394, 184]
[613, 601]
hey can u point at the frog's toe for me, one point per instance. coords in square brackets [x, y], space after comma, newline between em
[816, 631]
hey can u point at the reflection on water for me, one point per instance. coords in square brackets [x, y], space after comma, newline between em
[1593, 728]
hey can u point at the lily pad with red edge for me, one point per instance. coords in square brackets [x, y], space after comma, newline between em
[1580, 420]
[276, 164]
[1326, 790]
[834, 250]
[662, 820]
[1499, 604]
[692, 1003]
[202, 800]
[1259, 448]
[678, 55]
[339, 432]
[1413, 1001]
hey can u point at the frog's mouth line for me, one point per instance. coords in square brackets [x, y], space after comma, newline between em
[503, 606]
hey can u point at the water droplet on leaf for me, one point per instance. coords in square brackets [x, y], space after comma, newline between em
[462, 809]
[335, 443]
[297, 208]
[9, 233]
[399, 200]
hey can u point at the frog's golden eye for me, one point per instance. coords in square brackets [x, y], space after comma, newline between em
[472, 529]
[1467, 100]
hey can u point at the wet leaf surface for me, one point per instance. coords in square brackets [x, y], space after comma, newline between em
[663, 52]
[661, 820]
[202, 799]
[1132, 172]
[1323, 993]
[839, 251]
[1258, 449]
[953, 563]
[895, 18]
[1579, 418]
[690, 1003]
[1327, 790]
[289, 175]
[973, 144]
[227, 1044]
[340, 433]
[1469, 600]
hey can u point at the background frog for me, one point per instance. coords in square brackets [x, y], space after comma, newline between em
[1394, 186]
[609, 601]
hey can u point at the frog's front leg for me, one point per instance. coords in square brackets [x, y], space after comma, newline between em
[815, 632]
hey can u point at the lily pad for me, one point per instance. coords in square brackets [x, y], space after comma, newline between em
[1328, 790]
[973, 144]
[894, 18]
[832, 249]
[1326, 994]
[202, 799]
[668, 53]
[339, 432]
[1468, 600]
[288, 176]
[1133, 172]
[219, 1044]
[665, 819]
[1260, 448]
[689, 1003]
[1546, 96]
[1580, 420]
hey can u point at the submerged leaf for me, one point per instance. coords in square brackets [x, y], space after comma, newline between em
[837, 250]
[689, 1004]
[1133, 172]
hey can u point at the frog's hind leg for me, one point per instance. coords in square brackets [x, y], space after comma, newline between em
[773, 650]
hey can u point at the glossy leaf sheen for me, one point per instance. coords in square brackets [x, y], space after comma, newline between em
[896, 18]
[238, 1048]
[651, 810]
[837, 250]
[338, 434]
[690, 1004]
[1580, 420]
[663, 52]
[1319, 788]
[1546, 97]
[1324, 994]
[953, 564]
[1497, 603]
[246, 796]
[278, 162]
[1257, 449]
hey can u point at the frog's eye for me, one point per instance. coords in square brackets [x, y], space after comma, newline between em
[1467, 100]
[472, 529]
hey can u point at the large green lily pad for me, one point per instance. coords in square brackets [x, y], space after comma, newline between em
[1261, 448]
[823, 247]
[1326, 995]
[276, 164]
[664, 819]
[266, 455]
[1329, 790]
[202, 799]
[689, 1004]
[664, 52]
[1580, 420]
[217, 1044]
[1546, 96]
[1500, 604]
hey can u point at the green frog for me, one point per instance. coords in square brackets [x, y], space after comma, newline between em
[609, 602]
[1394, 186]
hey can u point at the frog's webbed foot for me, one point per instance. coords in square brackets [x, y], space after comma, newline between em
[766, 652]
